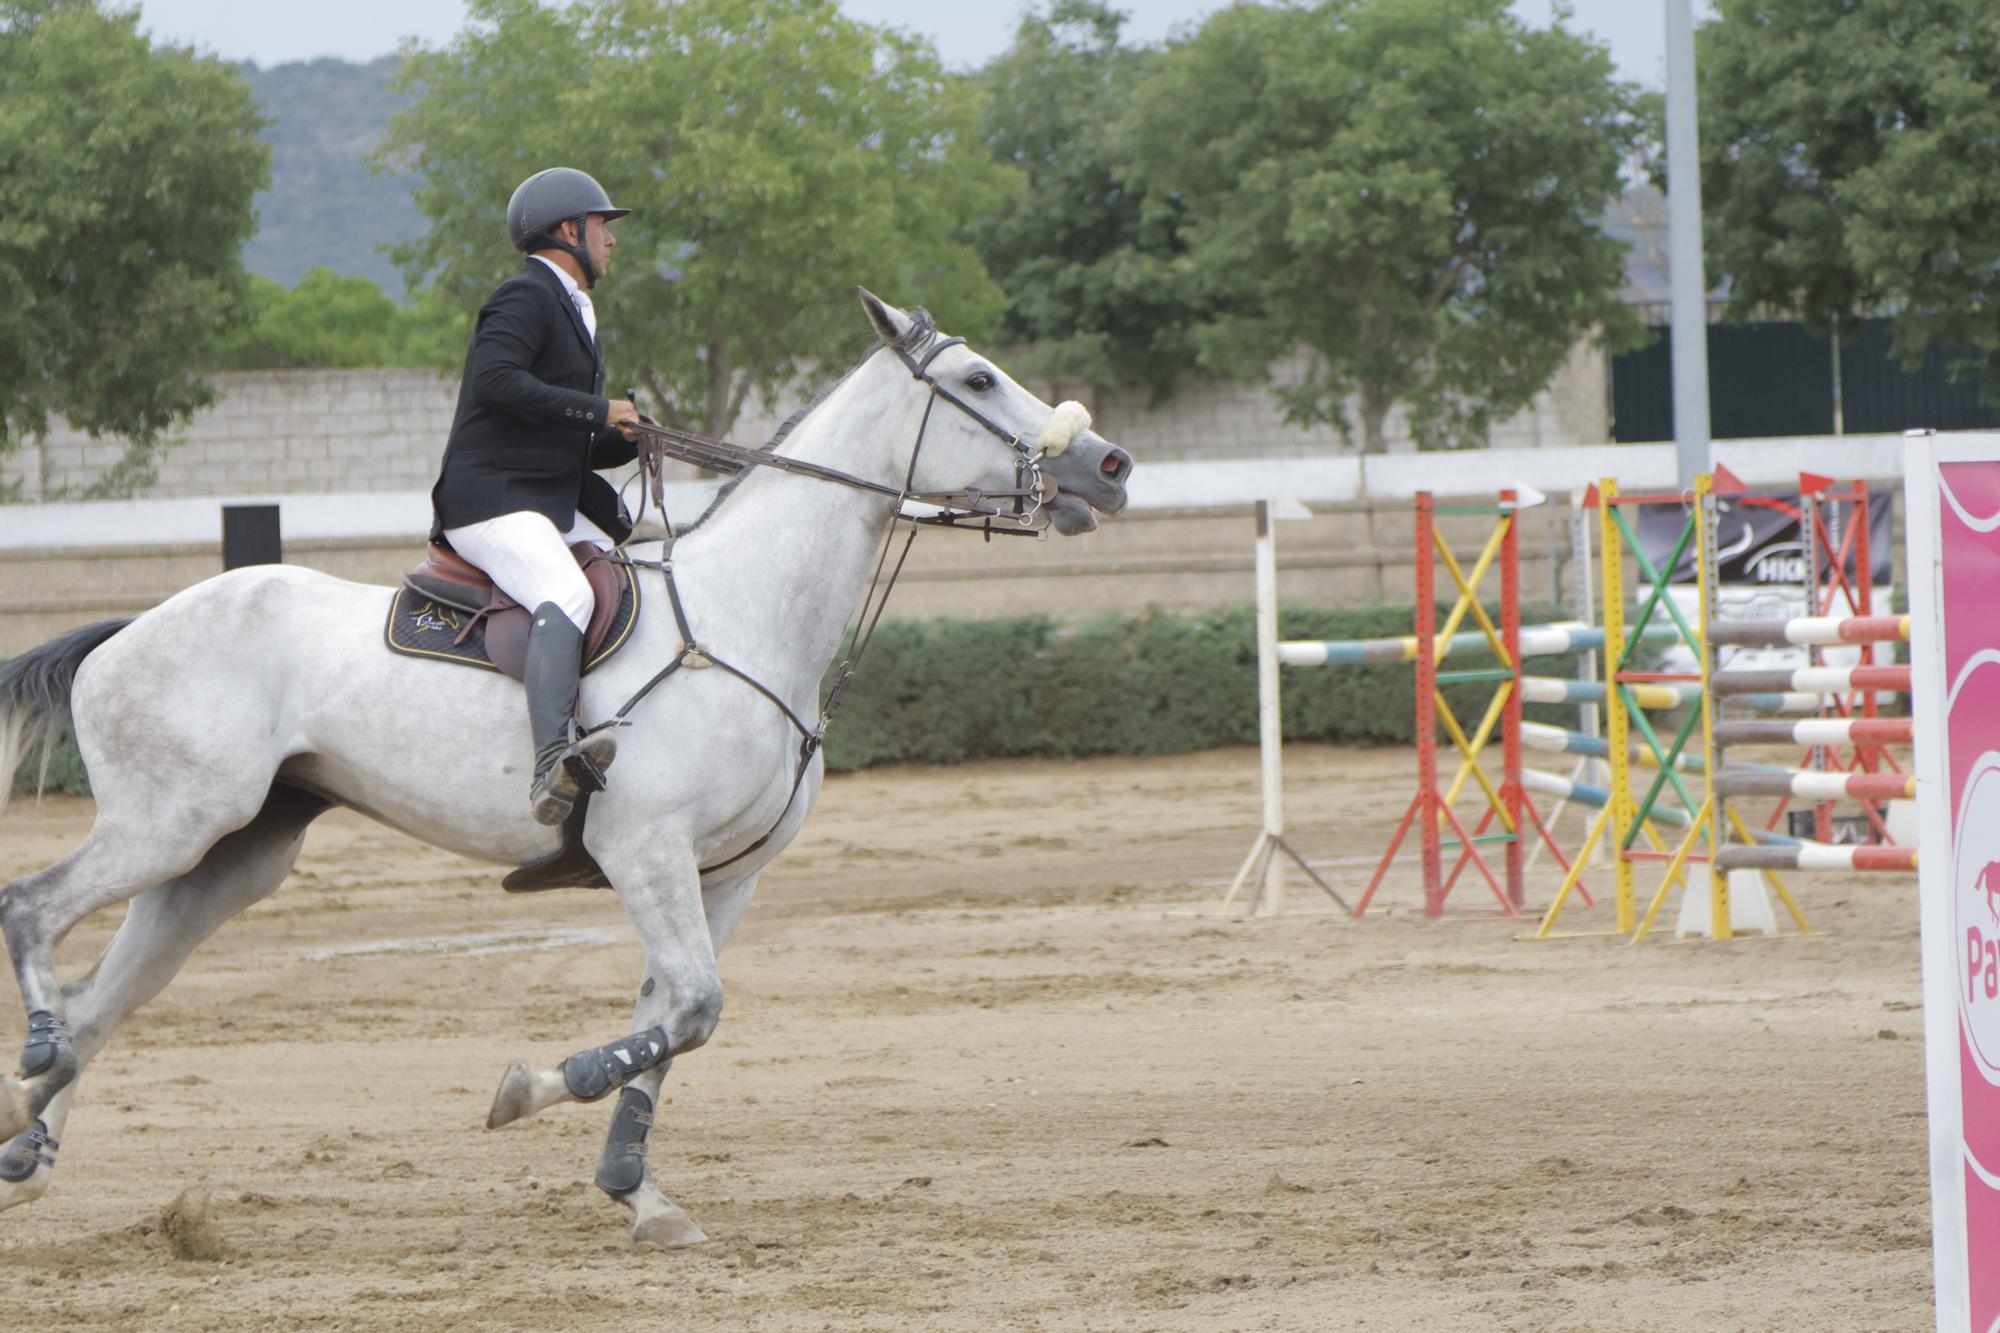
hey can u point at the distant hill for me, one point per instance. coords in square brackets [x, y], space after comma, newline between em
[324, 207]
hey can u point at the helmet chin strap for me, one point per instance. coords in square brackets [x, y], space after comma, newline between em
[577, 252]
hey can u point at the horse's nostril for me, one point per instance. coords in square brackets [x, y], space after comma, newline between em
[1112, 466]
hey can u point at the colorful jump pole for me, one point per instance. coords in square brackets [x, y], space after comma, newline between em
[1819, 631]
[1625, 818]
[1561, 690]
[1815, 731]
[1536, 641]
[1432, 811]
[1816, 856]
[1814, 680]
[1812, 786]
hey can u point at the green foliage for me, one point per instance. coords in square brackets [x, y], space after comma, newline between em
[324, 207]
[775, 152]
[129, 171]
[948, 691]
[340, 322]
[1094, 276]
[1851, 165]
[951, 691]
[1411, 190]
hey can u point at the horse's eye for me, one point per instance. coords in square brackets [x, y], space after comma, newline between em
[979, 380]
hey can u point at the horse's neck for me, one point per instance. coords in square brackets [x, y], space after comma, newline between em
[790, 555]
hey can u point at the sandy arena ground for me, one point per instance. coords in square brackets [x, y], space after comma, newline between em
[986, 1064]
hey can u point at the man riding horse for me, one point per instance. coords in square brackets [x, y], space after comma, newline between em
[518, 487]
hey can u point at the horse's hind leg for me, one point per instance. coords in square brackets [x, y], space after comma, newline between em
[161, 928]
[141, 838]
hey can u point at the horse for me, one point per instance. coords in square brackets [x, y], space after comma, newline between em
[218, 725]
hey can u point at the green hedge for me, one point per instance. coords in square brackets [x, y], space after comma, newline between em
[947, 691]
[944, 691]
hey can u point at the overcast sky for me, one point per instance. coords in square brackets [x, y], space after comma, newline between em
[966, 34]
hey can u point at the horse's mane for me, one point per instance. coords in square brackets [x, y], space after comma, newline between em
[922, 329]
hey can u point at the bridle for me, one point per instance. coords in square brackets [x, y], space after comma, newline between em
[967, 509]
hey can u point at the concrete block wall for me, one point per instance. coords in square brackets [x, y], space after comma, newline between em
[325, 431]
[272, 432]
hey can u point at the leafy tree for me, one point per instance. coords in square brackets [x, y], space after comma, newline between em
[1409, 191]
[1851, 164]
[342, 323]
[775, 153]
[126, 174]
[1093, 275]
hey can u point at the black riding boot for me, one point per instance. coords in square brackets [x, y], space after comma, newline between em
[565, 766]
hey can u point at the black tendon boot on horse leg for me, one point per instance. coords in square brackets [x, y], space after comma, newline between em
[565, 765]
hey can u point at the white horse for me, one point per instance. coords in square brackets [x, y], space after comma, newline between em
[218, 725]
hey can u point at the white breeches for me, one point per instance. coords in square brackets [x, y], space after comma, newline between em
[530, 561]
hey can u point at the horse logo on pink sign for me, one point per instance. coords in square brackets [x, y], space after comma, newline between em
[1979, 911]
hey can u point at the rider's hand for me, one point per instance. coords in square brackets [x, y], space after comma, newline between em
[622, 414]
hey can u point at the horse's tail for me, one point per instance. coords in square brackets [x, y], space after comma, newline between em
[34, 699]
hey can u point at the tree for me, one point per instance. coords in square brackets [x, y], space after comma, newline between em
[774, 152]
[1408, 191]
[1851, 165]
[126, 175]
[1095, 278]
[342, 323]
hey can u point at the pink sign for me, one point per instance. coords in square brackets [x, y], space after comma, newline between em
[1958, 666]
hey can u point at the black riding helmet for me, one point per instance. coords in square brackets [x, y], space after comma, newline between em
[550, 198]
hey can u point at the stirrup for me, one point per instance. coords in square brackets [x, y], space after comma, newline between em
[568, 769]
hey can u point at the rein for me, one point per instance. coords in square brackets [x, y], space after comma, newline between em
[658, 443]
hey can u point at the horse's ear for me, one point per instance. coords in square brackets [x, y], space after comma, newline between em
[890, 323]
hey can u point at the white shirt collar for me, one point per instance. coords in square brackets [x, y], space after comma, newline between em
[570, 284]
[577, 295]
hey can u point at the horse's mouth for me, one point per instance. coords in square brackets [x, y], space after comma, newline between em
[1070, 514]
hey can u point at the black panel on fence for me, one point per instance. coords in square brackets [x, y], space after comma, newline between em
[1879, 395]
[250, 536]
[1642, 391]
[1768, 379]
[1775, 379]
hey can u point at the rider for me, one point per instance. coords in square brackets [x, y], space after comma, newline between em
[518, 487]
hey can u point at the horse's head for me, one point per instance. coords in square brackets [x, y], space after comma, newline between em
[985, 430]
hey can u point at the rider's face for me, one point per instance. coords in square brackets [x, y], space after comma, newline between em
[599, 242]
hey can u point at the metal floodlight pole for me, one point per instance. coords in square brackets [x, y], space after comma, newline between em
[1690, 307]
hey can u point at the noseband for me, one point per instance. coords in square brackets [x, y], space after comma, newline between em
[969, 509]
[1031, 490]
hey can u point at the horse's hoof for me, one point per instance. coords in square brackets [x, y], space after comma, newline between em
[671, 1229]
[17, 1108]
[14, 1193]
[516, 1097]
[26, 1167]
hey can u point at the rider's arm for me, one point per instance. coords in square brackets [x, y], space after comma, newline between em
[502, 351]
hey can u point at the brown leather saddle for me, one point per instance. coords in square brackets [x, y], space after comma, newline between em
[448, 610]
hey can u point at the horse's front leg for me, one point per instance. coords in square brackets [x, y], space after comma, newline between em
[623, 1171]
[680, 999]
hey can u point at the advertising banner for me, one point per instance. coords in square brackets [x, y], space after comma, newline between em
[1953, 495]
[1760, 541]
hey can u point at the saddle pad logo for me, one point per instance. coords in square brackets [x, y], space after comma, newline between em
[431, 616]
[1977, 906]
